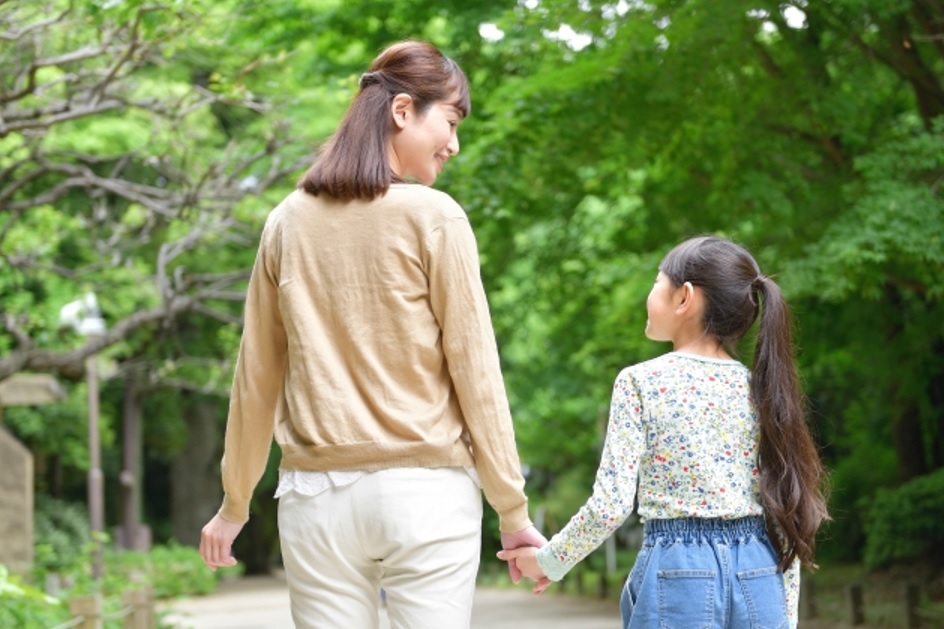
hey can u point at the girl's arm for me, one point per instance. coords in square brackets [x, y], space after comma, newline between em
[614, 489]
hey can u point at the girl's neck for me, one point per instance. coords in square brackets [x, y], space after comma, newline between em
[709, 348]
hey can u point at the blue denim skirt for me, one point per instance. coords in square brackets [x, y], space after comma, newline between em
[705, 574]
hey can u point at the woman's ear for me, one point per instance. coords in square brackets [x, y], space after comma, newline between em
[400, 108]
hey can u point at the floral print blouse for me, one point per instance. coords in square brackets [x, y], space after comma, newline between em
[683, 430]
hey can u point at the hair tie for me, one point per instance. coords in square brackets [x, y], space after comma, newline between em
[758, 282]
[367, 79]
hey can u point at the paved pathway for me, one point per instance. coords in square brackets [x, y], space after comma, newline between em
[262, 603]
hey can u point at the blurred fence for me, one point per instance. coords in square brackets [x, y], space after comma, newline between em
[137, 613]
[913, 615]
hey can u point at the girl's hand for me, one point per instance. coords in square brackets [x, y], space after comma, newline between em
[526, 561]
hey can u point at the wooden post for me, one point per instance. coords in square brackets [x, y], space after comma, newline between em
[912, 599]
[578, 580]
[89, 608]
[604, 585]
[143, 611]
[96, 482]
[856, 612]
[151, 615]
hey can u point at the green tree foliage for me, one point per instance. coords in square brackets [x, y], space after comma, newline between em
[119, 173]
[903, 525]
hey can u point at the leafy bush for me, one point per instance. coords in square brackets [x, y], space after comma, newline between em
[63, 548]
[904, 524]
[63, 559]
[24, 606]
[853, 481]
[61, 534]
[172, 570]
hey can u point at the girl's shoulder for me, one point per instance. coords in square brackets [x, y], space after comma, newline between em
[675, 365]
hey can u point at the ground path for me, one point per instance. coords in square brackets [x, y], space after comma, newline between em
[262, 603]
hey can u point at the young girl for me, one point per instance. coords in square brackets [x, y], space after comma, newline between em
[368, 355]
[730, 484]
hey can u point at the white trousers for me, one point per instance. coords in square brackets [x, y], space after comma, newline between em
[414, 532]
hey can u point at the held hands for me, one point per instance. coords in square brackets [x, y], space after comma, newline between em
[216, 542]
[526, 563]
[525, 539]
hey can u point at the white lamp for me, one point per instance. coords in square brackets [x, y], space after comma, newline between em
[83, 315]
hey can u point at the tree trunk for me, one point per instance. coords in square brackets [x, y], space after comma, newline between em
[132, 533]
[936, 430]
[909, 443]
[904, 58]
[196, 492]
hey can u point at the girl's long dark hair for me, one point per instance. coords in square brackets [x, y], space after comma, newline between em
[792, 476]
[354, 163]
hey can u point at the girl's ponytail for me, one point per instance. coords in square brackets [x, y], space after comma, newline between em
[791, 473]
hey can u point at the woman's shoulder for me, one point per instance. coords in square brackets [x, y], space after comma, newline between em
[418, 197]
[411, 207]
[294, 201]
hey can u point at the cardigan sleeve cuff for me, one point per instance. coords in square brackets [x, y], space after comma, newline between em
[515, 519]
[233, 510]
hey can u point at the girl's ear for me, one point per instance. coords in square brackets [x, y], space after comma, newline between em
[400, 108]
[686, 297]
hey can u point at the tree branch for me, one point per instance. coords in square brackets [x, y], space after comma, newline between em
[70, 364]
[146, 212]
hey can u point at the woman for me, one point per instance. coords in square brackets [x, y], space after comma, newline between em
[368, 352]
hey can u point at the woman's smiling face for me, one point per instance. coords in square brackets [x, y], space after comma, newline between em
[422, 143]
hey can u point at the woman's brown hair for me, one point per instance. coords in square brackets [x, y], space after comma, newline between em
[354, 163]
[792, 476]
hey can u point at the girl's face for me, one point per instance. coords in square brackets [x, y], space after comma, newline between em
[660, 305]
[422, 143]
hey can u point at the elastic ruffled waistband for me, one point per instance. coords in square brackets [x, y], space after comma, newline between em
[706, 528]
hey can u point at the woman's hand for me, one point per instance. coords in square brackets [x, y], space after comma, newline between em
[216, 542]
